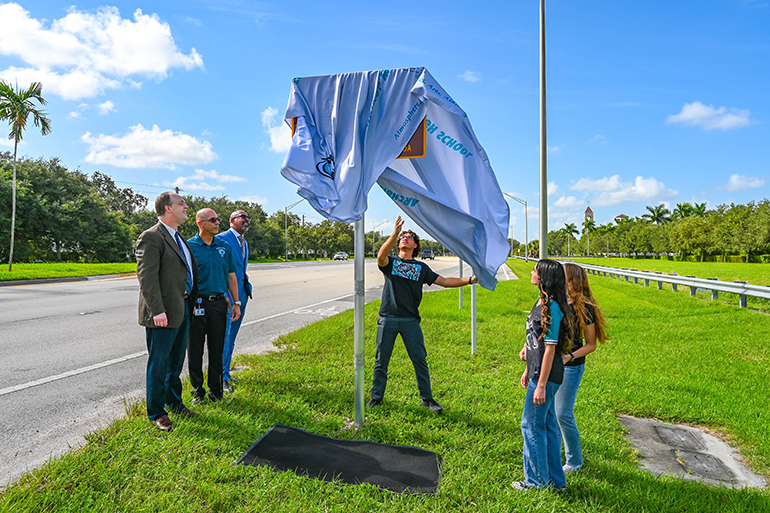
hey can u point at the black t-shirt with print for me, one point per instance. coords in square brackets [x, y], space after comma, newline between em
[536, 347]
[402, 292]
[577, 336]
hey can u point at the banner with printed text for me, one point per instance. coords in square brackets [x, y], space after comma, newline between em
[349, 132]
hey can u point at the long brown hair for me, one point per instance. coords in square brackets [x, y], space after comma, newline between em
[580, 295]
[552, 287]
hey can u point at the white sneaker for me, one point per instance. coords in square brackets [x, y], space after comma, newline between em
[569, 468]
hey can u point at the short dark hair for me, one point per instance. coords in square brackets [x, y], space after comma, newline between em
[416, 238]
[163, 201]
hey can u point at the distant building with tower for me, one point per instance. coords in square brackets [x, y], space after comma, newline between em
[588, 215]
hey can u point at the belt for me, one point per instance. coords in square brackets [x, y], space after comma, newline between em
[213, 298]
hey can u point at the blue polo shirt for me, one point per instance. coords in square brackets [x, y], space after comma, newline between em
[215, 263]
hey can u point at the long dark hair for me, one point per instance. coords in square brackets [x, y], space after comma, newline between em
[580, 295]
[553, 287]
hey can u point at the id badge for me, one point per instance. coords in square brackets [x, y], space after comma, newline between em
[200, 311]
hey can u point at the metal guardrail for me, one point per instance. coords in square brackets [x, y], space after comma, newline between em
[741, 288]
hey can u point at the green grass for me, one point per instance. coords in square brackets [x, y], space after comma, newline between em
[671, 357]
[756, 274]
[23, 271]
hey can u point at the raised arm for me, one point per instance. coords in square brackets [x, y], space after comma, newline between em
[382, 255]
[455, 282]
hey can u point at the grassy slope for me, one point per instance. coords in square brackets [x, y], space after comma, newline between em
[62, 270]
[757, 274]
[671, 356]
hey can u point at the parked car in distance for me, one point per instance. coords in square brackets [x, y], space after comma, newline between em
[341, 256]
[427, 254]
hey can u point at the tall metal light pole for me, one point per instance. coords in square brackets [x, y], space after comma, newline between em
[373, 228]
[286, 225]
[543, 144]
[526, 223]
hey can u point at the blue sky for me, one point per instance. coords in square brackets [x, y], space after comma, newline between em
[648, 102]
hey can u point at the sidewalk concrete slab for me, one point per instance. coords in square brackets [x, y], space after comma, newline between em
[688, 453]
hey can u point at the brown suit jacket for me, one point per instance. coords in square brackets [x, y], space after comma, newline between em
[162, 274]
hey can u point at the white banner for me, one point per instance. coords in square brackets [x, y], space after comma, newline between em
[350, 129]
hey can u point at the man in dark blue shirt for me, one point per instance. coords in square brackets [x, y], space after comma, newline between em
[216, 275]
[399, 312]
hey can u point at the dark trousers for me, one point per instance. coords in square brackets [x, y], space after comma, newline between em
[166, 348]
[207, 329]
[411, 334]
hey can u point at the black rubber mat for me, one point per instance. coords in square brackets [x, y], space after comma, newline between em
[392, 467]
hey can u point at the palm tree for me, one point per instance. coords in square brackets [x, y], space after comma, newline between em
[682, 210]
[570, 230]
[15, 106]
[589, 226]
[657, 215]
[699, 209]
[607, 229]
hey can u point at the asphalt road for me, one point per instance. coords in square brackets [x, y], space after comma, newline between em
[71, 354]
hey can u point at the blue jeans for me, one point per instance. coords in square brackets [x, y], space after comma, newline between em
[230, 334]
[411, 333]
[542, 443]
[565, 414]
[166, 348]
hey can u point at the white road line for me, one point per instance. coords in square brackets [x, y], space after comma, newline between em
[101, 365]
[68, 374]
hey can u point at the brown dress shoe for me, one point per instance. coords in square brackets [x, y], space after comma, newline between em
[187, 412]
[163, 423]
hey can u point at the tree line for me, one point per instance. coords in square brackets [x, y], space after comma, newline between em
[66, 215]
[727, 233]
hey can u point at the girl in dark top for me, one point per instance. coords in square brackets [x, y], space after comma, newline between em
[590, 327]
[548, 330]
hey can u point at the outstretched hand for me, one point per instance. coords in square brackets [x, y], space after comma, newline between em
[398, 226]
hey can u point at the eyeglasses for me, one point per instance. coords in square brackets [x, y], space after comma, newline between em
[212, 220]
[407, 237]
[243, 216]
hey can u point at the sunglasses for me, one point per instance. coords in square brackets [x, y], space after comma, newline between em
[243, 216]
[212, 220]
[407, 237]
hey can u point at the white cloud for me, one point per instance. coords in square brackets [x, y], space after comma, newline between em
[201, 174]
[709, 118]
[74, 115]
[470, 76]
[142, 148]
[612, 183]
[555, 149]
[612, 191]
[569, 202]
[598, 139]
[84, 54]
[201, 180]
[4, 141]
[253, 198]
[106, 108]
[742, 182]
[553, 189]
[280, 133]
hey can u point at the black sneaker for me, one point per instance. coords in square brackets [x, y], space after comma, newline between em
[373, 403]
[432, 404]
[227, 387]
[233, 380]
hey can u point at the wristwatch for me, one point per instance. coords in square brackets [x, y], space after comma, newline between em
[238, 303]
[571, 357]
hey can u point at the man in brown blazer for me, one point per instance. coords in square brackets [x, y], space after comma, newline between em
[168, 277]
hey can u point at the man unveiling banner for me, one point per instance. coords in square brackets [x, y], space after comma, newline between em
[349, 131]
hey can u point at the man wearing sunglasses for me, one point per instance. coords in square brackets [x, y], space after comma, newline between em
[216, 276]
[399, 312]
[240, 222]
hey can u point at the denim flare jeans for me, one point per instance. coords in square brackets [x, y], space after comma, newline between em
[542, 443]
[565, 414]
